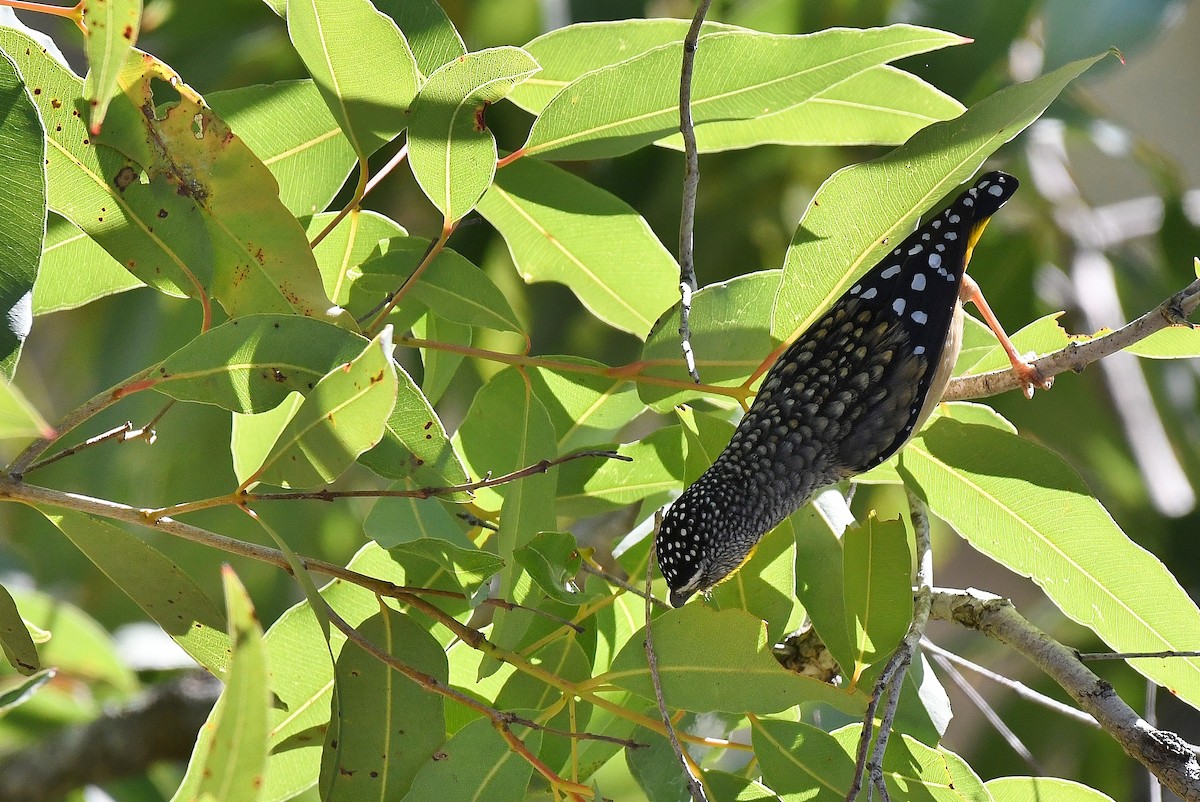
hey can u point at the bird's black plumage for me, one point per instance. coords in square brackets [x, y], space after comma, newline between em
[845, 396]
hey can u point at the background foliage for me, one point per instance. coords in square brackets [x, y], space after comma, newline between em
[1123, 136]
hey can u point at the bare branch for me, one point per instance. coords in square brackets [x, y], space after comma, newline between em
[325, 494]
[691, 186]
[1019, 688]
[1165, 754]
[1133, 655]
[693, 783]
[981, 704]
[1075, 357]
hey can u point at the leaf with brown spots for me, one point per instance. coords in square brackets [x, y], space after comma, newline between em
[112, 29]
[389, 725]
[342, 417]
[230, 757]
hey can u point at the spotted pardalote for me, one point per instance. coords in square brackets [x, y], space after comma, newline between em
[842, 398]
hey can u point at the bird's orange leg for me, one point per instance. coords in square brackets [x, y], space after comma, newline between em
[1030, 376]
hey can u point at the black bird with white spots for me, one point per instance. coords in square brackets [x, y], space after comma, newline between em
[845, 396]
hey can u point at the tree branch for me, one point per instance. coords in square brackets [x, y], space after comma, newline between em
[691, 188]
[1075, 357]
[162, 724]
[1165, 754]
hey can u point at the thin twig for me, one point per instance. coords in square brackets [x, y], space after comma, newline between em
[693, 784]
[1019, 688]
[123, 433]
[1170, 758]
[1075, 357]
[989, 713]
[632, 371]
[325, 494]
[73, 13]
[398, 295]
[613, 579]
[74, 418]
[1133, 655]
[691, 187]
[35, 495]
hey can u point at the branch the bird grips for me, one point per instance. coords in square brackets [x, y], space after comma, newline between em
[845, 396]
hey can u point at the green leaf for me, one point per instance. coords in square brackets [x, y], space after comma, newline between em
[560, 228]
[390, 726]
[22, 211]
[112, 29]
[252, 436]
[360, 236]
[415, 443]
[342, 417]
[252, 363]
[78, 647]
[1024, 507]
[739, 74]
[799, 759]
[564, 658]
[476, 765]
[732, 788]
[848, 225]
[228, 767]
[440, 366]
[82, 178]
[913, 770]
[302, 674]
[394, 521]
[764, 584]
[155, 583]
[369, 97]
[507, 428]
[568, 52]
[261, 260]
[450, 149]
[654, 471]
[430, 34]
[711, 660]
[309, 157]
[552, 560]
[468, 568]
[1038, 789]
[586, 409]
[1042, 336]
[17, 695]
[819, 582]
[706, 436]
[877, 588]
[451, 286]
[977, 341]
[1176, 342]
[15, 641]
[75, 270]
[18, 419]
[879, 106]
[730, 334]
